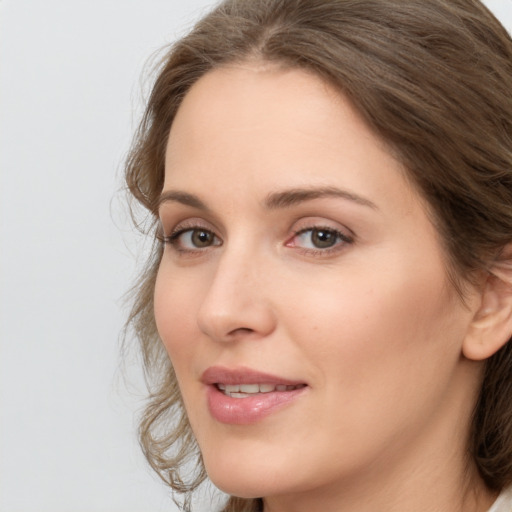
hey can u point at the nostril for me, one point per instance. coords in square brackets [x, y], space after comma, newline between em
[240, 330]
[229, 317]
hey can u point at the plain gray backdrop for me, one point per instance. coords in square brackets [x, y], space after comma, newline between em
[70, 96]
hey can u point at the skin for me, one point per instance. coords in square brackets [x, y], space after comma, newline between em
[371, 324]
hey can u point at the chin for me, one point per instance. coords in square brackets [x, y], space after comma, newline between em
[243, 488]
[252, 479]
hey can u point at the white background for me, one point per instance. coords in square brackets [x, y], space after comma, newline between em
[70, 95]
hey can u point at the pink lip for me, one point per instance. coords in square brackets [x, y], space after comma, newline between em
[243, 375]
[244, 411]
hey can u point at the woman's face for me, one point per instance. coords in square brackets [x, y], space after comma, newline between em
[302, 294]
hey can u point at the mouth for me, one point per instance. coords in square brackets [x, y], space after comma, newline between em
[251, 390]
[243, 396]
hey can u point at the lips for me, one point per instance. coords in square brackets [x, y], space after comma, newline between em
[243, 375]
[243, 396]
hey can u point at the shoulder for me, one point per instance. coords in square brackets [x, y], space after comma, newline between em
[504, 502]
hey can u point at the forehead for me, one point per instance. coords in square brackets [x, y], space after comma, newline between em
[230, 100]
[261, 126]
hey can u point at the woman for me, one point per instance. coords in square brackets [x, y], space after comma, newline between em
[327, 313]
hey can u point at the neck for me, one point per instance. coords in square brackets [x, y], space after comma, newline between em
[409, 496]
[447, 487]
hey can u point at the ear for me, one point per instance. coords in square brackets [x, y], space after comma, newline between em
[491, 326]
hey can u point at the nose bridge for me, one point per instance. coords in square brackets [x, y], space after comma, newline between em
[237, 302]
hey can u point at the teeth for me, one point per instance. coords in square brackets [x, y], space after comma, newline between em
[250, 388]
[246, 390]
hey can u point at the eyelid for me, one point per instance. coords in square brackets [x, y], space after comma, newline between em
[319, 223]
[344, 234]
[190, 225]
[340, 233]
[169, 229]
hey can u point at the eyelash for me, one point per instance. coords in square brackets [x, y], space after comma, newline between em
[174, 238]
[341, 240]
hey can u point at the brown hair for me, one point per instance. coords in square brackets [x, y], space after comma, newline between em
[433, 78]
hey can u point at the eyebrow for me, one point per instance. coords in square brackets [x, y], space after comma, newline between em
[275, 200]
[294, 196]
[185, 198]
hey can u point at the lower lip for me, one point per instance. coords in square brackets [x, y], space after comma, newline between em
[244, 411]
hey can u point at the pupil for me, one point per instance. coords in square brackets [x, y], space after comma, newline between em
[201, 238]
[323, 238]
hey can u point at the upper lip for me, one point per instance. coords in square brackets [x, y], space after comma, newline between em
[243, 375]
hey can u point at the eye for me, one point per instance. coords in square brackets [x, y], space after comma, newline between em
[192, 239]
[319, 239]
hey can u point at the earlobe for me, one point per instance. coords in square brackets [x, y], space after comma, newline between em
[491, 327]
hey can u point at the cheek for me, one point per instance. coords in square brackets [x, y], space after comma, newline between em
[383, 345]
[174, 306]
[375, 329]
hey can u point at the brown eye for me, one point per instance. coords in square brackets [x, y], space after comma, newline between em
[323, 238]
[201, 238]
[193, 239]
[320, 239]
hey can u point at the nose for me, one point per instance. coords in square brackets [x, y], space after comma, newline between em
[237, 304]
